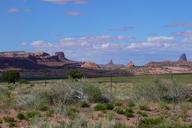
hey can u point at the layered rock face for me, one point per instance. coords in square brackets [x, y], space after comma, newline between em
[61, 55]
[37, 60]
[43, 65]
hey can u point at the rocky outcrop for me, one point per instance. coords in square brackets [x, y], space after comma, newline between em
[112, 65]
[60, 55]
[111, 62]
[37, 60]
[183, 57]
[90, 65]
[130, 64]
[41, 54]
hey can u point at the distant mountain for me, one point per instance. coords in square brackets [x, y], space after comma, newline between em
[38, 60]
[112, 65]
[183, 57]
[43, 65]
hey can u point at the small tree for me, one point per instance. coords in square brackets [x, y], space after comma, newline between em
[74, 74]
[11, 76]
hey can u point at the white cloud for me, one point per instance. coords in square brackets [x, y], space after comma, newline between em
[41, 44]
[73, 13]
[160, 38]
[66, 1]
[13, 10]
[106, 45]
[24, 43]
[154, 42]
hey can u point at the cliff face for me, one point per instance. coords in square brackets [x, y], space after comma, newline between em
[38, 60]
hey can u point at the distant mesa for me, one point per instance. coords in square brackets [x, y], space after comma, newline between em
[34, 60]
[90, 65]
[183, 57]
[61, 55]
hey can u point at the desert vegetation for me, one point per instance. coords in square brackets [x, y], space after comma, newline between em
[163, 101]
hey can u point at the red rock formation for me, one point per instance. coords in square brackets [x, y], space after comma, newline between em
[60, 55]
[90, 65]
[130, 64]
[25, 60]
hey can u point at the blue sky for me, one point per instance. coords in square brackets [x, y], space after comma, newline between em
[99, 30]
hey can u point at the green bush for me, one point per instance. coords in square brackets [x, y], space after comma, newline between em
[144, 107]
[84, 104]
[100, 107]
[72, 113]
[94, 94]
[24, 82]
[11, 76]
[109, 106]
[21, 116]
[160, 90]
[32, 115]
[118, 104]
[9, 119]
[128, 113]
[74, 74]
[131, 104]
[50, 112]
[119, 125]
[119, 110]
[148, 122]
[143, 114]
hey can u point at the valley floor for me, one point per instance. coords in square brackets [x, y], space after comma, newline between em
[163, 101]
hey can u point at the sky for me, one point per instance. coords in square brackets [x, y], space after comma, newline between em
[99, 30]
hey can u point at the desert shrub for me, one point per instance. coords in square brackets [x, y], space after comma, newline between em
[21, 116]
[9, 119]
[110, 116]
[118, 104]
[144, 107]
[94, 94]
[148, 122]
[50, 113]
[143, 114]
[74, 74]
[26, 101]
[24, 82]
[31, 115]
[159, 90]
[128, 112]
[12, 124]
[131, 104]
[72, 113]
[11, 76]
[85, 104]
[43, 108]
[119, 110]
[42, 105]
[100, 107]
[104, 106]
[109, 106]
[61, 94]
[119, 125]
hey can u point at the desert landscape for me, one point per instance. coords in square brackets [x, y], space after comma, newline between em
[95, 64]
[158, 94]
